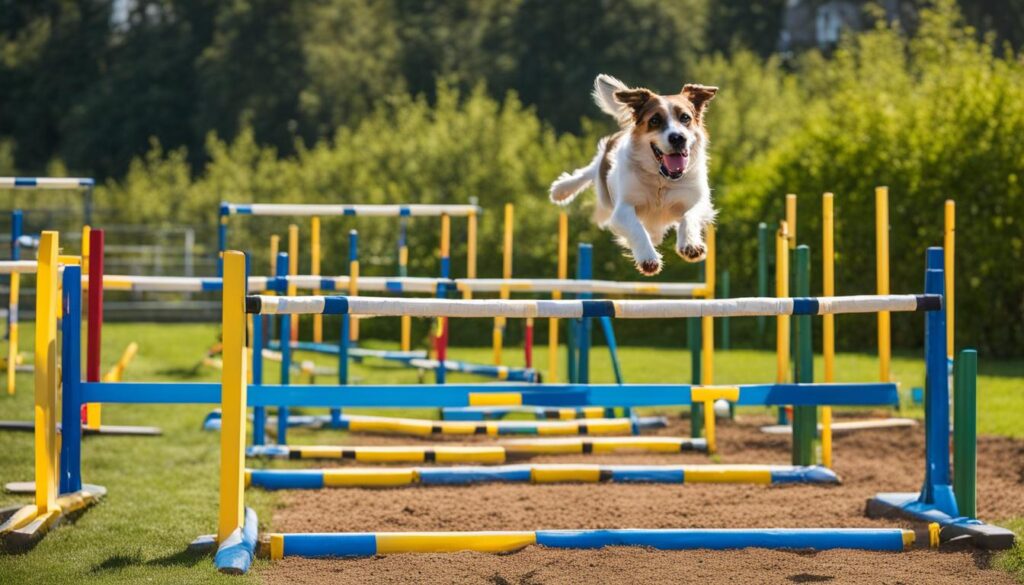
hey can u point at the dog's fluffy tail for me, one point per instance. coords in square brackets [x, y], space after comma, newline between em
[568, 185]
[605, 87]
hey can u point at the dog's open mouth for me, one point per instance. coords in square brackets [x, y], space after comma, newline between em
[673, 164]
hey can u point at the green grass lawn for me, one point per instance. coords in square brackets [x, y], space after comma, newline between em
[163, 491]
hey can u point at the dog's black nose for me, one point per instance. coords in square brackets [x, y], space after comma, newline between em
[677, 140]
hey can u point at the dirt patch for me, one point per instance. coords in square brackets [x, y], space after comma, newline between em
[868, 462]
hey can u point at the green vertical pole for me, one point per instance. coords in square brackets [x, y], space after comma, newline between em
[724, 294]
[805, 418]
[965, 432]
[694, 338]
[762, 274]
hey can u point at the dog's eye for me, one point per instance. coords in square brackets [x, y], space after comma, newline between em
[654, 122]
[685, 118]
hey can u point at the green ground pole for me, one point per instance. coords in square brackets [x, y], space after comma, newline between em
[965, 432]
[762, 275]
[805, 418]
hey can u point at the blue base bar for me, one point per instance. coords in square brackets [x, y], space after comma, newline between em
[235, 554]
[813, 539]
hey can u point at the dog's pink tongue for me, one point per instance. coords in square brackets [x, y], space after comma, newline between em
[675, 162]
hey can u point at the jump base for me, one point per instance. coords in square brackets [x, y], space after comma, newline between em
[909, 506]
[23, 526]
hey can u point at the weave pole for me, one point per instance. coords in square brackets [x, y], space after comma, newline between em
[314, 269]
[12, 303]
[782, 322]
[442, 292]
[405, 337]
[46, 379]
[828, 324]
[283, 329]
[882, 280]
[563, 271]
[94, 331]
[949, 247]
[805, 418]
[233, 392]
[498, 335]
[293, 270]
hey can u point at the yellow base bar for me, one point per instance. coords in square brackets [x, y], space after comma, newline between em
[369, 477]
[443, 542]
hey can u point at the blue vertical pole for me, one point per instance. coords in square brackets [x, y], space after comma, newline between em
[584, 271]
[259, 413]
[937, 489]
[16, 230]
[284, 330]
[222, 237]
[71, 367]
[343, 343]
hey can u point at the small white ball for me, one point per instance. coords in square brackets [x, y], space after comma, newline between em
[721, 408]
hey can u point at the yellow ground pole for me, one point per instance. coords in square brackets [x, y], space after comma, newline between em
[563, 270]
[46, 379]
[828, 324]
[314, 269]
[293, 269]
[115, 373]
[949, 243]
[233, 398]
[707, 366]
[882, 279]
[497, 336]
[782, 291]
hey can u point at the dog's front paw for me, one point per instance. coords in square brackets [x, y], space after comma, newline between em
[649, 267]
[693, 252]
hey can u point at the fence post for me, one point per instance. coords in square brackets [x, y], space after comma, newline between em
[284, 332]
[805, 418]
[584, 271]
[965, 432]
[762, 274]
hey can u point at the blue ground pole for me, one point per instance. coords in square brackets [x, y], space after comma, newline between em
[71, 364]
[284, 337]
[584, 271]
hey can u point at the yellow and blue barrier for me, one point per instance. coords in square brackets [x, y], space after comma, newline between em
[276, 479]
[499, 453]
[367, 544]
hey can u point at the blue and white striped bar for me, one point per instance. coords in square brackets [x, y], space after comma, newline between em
[428, 285]
[623, 309]
[46, 183]
[299, 209]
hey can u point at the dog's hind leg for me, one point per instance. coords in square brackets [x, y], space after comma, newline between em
[568, 185]
[690, 232]
[625, 224]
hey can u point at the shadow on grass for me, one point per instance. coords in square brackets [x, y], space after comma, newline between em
[181, 373]
[185, 558]
[120, 561]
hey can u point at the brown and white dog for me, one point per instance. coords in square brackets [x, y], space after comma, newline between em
[651, 175]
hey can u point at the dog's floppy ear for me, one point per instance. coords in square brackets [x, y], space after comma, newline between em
[633, 99]
[699, 95]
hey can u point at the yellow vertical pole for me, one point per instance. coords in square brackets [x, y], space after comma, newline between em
[782, 291]
[791, 220]
[293, 269]
[353, 291]
[46, 382]
[882, 279]
[233, 398]
[446, 251]
[471, 222]
[275, 248]
[828, 324]
[563, 270]
[506, 273]
[12, 345]
[707, 366]
[314, 269]
[949, 243]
